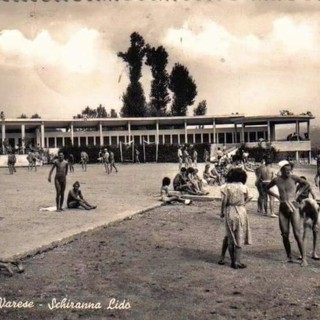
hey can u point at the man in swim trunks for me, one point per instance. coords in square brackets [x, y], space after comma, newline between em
[289, 207]
[265, 175]
[60, 178]
[106, 156]
[11, 162]
[84, 160]
[76, 200]
[112, 161]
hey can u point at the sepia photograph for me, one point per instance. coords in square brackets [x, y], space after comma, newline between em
[159, 159]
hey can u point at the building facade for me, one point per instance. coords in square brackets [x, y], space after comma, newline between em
[230, 130]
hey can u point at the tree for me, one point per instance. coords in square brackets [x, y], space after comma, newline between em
[35, 116]
[201, 109]
[157, 59]
[113, 113]
[134, 101]
[102, 112]
[184, 90]
[99, 112]
[23, 116]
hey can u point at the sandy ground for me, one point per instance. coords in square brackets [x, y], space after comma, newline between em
[162, 263]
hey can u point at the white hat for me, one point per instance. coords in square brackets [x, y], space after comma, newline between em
[283, 163]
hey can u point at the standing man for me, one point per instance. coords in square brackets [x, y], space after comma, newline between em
[106, 156]
[60, 178]
[289, 207]
[84, 160]
[195, 158]
[112, 161]
[206, 156]
[265, 174]
[137, 153]
[11, 162]
[180, 157]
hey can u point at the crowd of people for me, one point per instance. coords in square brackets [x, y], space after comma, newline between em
[298, 205]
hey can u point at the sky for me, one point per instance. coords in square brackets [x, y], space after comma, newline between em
[252, 57]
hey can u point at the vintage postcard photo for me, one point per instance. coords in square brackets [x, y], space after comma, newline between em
[159, 159]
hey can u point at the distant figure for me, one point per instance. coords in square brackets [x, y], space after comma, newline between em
[185, 157]
[219, 154]
[11, 162]
[180, 157]
[60, 178]
[32, 161]
[71, 162]
[137, 153]
[106, 156]
[206, 156]
[207, 176]
[195, 158]
[112, 161]
[100, 156]
[84, 160]
[76, 200]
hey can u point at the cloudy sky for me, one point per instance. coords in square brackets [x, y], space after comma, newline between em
[252, 57]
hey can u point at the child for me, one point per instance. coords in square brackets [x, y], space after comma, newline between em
[165, 195]
[210, 179]
[76, 200]
[235, 195]
[309, 210]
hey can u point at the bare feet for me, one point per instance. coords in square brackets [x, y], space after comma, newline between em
[303, 263]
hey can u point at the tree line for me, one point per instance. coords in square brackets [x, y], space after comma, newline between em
[178, 87]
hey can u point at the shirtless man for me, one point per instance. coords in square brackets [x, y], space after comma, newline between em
[317, 177]
[112, 162]
[61, 167]
[264, 175]
[11, 162]
[84, 160]
[180, 157]
[289, 208]
[106, 156]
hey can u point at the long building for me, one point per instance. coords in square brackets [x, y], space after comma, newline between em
[229, 130]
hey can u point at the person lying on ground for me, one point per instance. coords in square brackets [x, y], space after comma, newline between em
[76, 200]
[168, 198]
[8, 264]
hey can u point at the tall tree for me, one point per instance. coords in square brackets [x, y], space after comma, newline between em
[134, 101]
[184, 90]
[157, 59]
[102, 112]
[201, 108]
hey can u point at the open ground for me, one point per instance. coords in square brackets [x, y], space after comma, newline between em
[163, 262]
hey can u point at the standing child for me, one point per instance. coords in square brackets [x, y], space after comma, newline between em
[235, 195]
